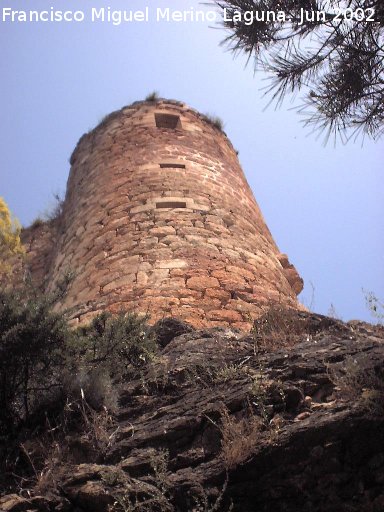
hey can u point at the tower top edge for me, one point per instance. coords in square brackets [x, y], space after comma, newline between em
[177, 105]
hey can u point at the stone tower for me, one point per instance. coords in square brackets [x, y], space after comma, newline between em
[158, 218]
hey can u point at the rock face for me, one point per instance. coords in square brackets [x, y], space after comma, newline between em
[299, 428]
[159, 218]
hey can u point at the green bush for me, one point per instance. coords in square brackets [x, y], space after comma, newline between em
[32, 354]
[56, 382]
[43, 362]
[116, 343]
[103, 354]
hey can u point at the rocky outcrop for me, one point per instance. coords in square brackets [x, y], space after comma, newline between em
[291, 274]
[219, 420]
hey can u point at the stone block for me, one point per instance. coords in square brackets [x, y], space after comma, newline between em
[201, 283]
[142, 208]
[125, 280]
[218, 293]
[142, 278]
[163, 231]
[177, 272]
[157, 276]
[176, 263]
[177, 284]
[240, 272]
[225, 315]
[208, 303]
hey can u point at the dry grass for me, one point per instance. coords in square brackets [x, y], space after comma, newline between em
[240, 436]
[216, 121]
[355, 380]
[230, 372]
[80, 435]
[279, 327]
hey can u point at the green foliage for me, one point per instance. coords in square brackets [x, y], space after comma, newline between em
[102, 354]
[116, 343]
[336, 58]
[42, 360]
[60, 384]
[62, 285]
[32, 343]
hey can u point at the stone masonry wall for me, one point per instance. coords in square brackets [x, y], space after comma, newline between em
[39, 241]
[158, 218]
[32, 267]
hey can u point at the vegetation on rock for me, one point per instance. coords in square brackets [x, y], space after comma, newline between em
[56, 379]
[206, 420]
[216, 121]
[375, 306]
[153, 96]
[33, 340]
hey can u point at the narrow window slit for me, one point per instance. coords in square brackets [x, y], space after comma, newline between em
[167, 121]
[171, 165]
[171, 204]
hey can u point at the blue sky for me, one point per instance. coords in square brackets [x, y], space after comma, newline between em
[323, 205]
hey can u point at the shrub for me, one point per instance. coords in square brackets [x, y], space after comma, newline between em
[216, 121]
[355, 379]
[37, 223]
[375, 306]
[153, 96]
[116, 343]
[229, 372]
[60, 384]
[240, 437]
[94, 385]
[54, 213]
[283, 327]
[41, 359]
[32, 355]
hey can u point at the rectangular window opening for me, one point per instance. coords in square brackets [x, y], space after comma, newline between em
[167, 121]
[172, 165]
[171, 204]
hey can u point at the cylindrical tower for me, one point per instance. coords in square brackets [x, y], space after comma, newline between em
[158, 218]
